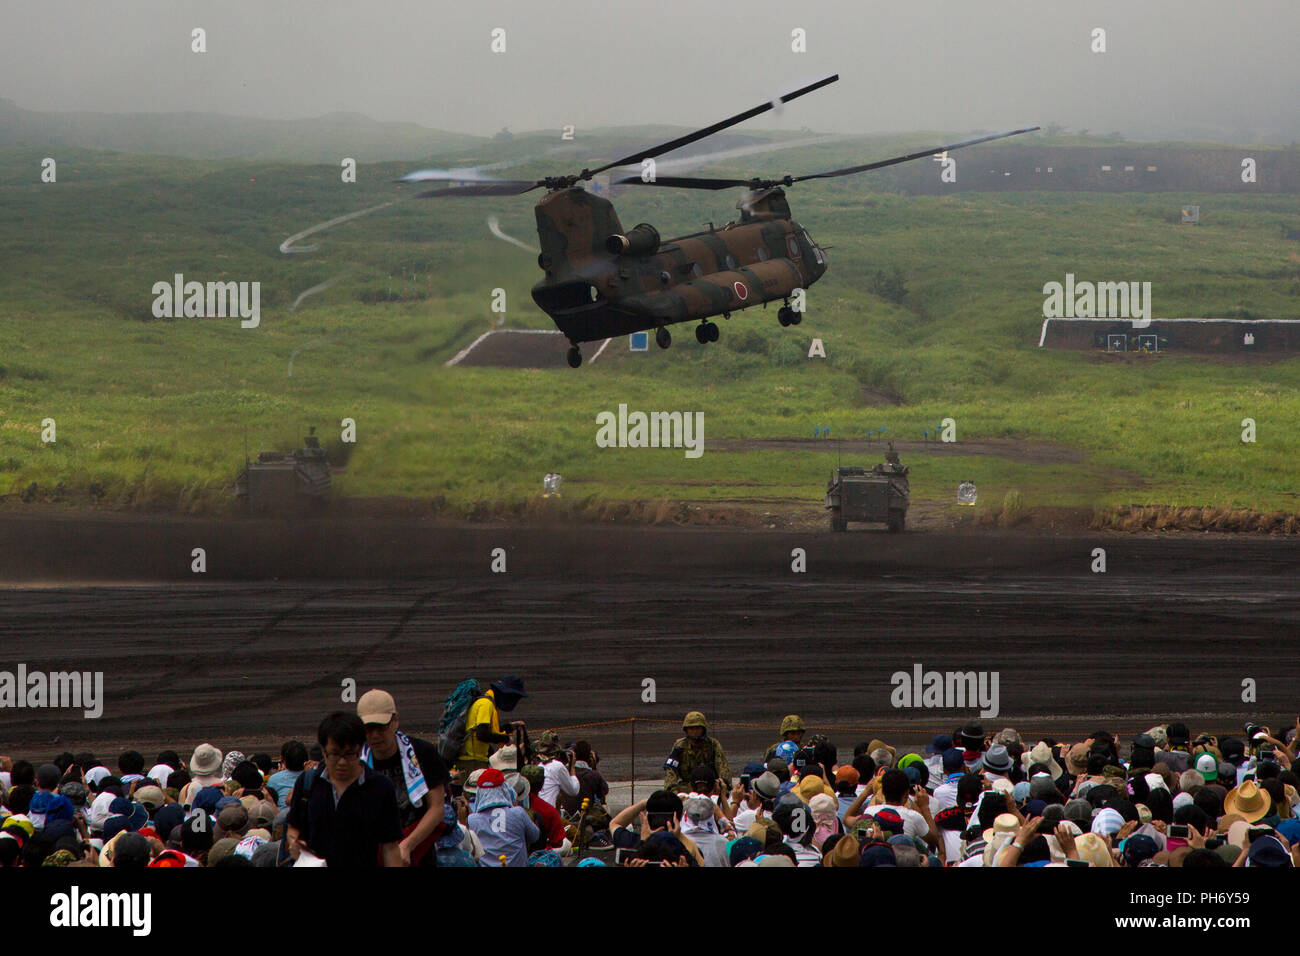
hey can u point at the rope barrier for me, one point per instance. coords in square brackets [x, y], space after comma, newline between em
[775, 727]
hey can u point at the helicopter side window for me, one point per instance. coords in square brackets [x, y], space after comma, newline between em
[792, 246]
[696, 270]
[730, 261]
[762, 254]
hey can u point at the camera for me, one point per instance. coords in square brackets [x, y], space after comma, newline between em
[1255, 833]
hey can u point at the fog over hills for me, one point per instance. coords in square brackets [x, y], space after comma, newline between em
[214, 135]
[324, 75]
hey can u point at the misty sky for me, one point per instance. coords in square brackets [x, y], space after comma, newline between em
[1177, 65]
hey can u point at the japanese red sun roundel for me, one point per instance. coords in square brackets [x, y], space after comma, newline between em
[741, 291]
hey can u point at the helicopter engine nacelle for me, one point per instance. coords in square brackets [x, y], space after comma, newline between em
[641, 240]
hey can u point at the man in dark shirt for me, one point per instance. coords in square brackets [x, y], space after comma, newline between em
[591, 785]
[417, 772]
[345, 813]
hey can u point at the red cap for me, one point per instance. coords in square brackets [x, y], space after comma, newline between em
[168, 858]
[491, 779]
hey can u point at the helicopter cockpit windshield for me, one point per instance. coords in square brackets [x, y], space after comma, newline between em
[818, 255]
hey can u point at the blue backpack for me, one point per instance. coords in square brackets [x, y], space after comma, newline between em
[451, 726]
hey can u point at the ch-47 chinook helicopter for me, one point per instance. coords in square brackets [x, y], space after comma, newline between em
[602, 280]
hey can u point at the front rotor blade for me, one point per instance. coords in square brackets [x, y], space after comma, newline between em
[684, 182]
[506, 187]
[470, 174]
[911, 156]
[653, 151]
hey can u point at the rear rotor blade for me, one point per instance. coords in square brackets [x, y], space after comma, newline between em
[505, 187]
[684, 182]
[686, 163]
[653, 151]
[910, 156]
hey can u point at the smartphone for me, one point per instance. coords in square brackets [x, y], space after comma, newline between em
[623, 854]
[744, 781]
[654, 862]
[1267, 753]
[1082, 863]
[1180, 831]
[1255, 832]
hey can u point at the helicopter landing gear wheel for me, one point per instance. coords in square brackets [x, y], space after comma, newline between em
[713, 332]
[785, 315]
[663, 338]
[575, 357]
[706, 332]
[795, 317]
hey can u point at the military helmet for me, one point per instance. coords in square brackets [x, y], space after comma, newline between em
[694, 719]
[792, 723]
[535, 776]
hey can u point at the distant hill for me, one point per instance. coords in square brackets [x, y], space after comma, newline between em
[325, 138]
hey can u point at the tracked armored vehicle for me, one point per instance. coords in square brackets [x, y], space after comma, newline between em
[295, 482]
[879, 494]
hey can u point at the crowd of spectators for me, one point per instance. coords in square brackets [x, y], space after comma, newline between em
[365, 794]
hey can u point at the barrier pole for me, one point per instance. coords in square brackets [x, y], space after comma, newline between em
[634, 760]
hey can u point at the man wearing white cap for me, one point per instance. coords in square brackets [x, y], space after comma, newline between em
[418, 774]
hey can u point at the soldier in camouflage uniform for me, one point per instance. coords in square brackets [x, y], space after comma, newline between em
[792, 728]
[696, 749]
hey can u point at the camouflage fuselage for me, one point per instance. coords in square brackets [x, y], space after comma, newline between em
[594, 294]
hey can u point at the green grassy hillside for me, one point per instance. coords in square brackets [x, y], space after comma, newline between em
[152, 413]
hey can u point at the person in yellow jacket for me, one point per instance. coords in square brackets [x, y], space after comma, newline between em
[484, 732]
